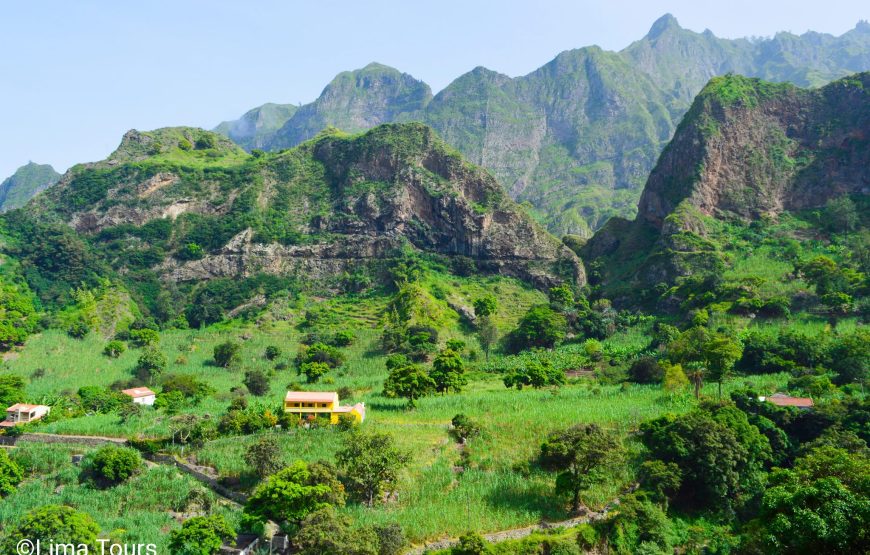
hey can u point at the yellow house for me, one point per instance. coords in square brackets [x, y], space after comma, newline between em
[311, 404]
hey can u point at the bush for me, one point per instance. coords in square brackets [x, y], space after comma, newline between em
[201, 535]
[10, 474]
[78, 330]
[257, 382]
[541, 327]
[343, 338]
[144, 337]
[471, 544]
[646, 370]
[272, 352]
[113, 464]
[114, 348]
[227, 354]
[464, 428]
[314, 370]
[322, 353]
[188, 385]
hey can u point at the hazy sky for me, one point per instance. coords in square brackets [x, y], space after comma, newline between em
[75, 75]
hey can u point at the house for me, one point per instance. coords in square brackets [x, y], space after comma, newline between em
[21, 413]
[244, 544]
[141, 395]
[783, 400]
[311, 404]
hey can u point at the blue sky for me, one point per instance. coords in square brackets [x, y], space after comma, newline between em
[76, 75]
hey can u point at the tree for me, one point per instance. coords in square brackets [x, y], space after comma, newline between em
[720, 455]
[487, 333]
[150, 365]
[187, 385]
[201, 535]
[264, 456]
[314, 370]
[101, 400]
[561, 297]
[11, 474]
[540, 327]
[227, 354]
[11, 389]
[448, 372]
[409, 381]
[112, 464]
[646, 370]
[391, 539]
[674, 379]
[114, 348]
[321, 352]
[257, 382]
[485, 306]
[842, 214]
[291, 494]
[370, 463]
[60, 524]
[326, 531]
[720, 353]
[661, 479]
[536, 373]
[581, 454]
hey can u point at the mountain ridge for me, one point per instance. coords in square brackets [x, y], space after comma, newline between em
[577, 167]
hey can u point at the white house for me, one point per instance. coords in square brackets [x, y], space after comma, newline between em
[22, 413]
[141, 395]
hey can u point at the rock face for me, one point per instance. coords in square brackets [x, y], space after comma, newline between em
[334, 204]
[746, 149]
[26, 183]
[578, 136]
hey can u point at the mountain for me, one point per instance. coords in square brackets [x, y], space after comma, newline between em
[24, 184]
[171, 209]
[355, 101]
[577, 137]
[257, 126]
[747, 151]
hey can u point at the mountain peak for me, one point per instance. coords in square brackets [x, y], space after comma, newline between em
[863, 26]
[663, 24]
[25, 183]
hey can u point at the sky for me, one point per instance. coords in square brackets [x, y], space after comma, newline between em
[74, 76]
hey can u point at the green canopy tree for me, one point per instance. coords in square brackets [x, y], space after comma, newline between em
[720, 353]
[201, 535]
[410, 381]
[11, 474]
[370, 464]
[61, 524]
[293, 493]
[448, 372]
[581, 454]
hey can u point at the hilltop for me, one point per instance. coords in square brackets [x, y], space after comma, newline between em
[26, 183]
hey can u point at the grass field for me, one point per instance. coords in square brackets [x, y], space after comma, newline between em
[496, 489]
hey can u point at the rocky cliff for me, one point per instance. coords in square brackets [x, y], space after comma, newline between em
[189, 205]
[577, 137]
[24, 184]
[746, 149]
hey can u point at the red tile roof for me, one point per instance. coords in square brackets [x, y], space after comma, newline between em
[782, 400]
[23, 407]
[137, 392]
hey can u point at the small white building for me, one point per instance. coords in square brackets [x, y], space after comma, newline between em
[141, 395]
[22, 413]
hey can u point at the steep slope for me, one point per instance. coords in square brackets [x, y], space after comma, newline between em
[26, 183]
[176, 207]
[747, 149]
[355, 101]
[256, 127]
[577, 137]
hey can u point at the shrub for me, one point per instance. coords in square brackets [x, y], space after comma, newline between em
[540, 327]
[10, 474]
[343, 338]
[188, 385]
[322, 353]
[272, 352]
[471, 543]
[257, 382]
[227, 354]
[464, 428]
[63, 525]
[114, 348]
[145, 337]
[113, 464]
[201, 535]
[314, 370]
[78, 330]
[646, 370]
